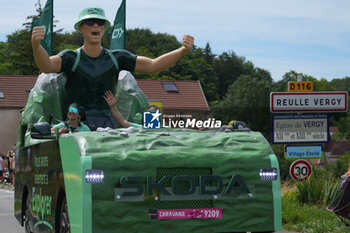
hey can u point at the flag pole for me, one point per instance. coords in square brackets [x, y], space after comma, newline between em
[51, 28]
[124, 24]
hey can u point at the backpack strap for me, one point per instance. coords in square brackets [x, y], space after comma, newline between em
[113, 58]
[77, 59]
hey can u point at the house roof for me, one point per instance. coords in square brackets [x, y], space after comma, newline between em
[338, 148]
[189, 94]
[15, 90]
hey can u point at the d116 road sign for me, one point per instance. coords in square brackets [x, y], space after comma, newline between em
[300, 170]
[294, 86]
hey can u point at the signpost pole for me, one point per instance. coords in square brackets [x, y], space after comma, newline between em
[300, 77]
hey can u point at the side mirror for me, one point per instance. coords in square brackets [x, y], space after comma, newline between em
[40, 130]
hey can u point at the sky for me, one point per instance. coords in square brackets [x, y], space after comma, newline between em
[310, 37]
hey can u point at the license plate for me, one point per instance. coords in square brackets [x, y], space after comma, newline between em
[189, 213]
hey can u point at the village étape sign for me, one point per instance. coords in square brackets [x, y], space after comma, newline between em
[300, 170]
[300, 129]
[332, 101]
[303, 152]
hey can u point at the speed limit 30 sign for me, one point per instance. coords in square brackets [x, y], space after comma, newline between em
[300, 170]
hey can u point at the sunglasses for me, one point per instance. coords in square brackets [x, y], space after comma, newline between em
[91, 22]
[72, 109]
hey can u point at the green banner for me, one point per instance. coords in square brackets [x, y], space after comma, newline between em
[46, 21]
[118, 34]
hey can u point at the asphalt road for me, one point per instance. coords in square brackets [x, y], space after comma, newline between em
[8, 222]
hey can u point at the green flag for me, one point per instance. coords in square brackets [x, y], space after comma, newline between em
[46, 21]
[118, 34]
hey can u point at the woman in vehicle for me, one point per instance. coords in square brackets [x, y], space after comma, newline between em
[73, 124]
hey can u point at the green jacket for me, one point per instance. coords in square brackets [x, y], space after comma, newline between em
[81, 127]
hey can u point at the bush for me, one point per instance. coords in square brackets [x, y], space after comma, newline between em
[341, 165]
[304, 210]
[283, 163]
[305, 218]
[319, 189]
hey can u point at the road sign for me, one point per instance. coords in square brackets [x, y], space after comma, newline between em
[333, 101]
[300, 129]
[158, 103]
[300, 170]
[300, 86]
[303, 152]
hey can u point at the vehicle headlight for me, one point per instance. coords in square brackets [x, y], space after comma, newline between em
[268, 174]
[94, 176]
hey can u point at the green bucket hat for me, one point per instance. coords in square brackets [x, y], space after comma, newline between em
[92, 13]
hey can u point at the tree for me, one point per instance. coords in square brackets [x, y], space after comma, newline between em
[319, 85]
[247, 100]
[193, 66]
[208, 55]
[228, 68]
[157, 44]
[282, 85]
[31, 18]
[67, 40]
[262, 74]
[322, 85]
[5, 66]
[145, 43]
[341, 84]
[200, 69]
[39, 11]
[343, 125]
[20, 53]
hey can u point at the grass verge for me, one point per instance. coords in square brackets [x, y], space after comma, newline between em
[310, 218]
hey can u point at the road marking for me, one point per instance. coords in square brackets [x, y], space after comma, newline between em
[6, 214]
[6, 191]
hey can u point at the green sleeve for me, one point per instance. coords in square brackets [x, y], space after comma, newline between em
[137, 126]
[68, 58]
[125, 59]
[59, 126]
[84, 127]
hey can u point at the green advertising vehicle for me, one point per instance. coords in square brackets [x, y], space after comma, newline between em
[130, 180]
